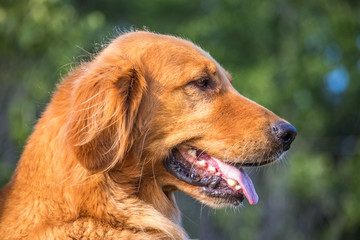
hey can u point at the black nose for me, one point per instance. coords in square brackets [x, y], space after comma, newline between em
[285, 133]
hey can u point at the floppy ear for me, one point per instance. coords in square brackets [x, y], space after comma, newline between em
[104, 105]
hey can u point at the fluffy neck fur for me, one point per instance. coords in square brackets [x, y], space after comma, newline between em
[122, 199]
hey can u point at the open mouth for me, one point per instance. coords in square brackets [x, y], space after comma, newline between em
[217, 179]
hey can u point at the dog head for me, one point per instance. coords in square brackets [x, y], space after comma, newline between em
[171, 105]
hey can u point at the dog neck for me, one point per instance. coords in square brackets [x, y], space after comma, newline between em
[132, 176]
[67, 191]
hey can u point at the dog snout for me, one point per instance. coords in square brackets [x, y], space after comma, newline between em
[285, 133]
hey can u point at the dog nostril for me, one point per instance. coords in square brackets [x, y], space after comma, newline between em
[287, 138]
[285, 133]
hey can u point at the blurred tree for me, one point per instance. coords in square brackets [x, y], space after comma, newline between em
[299, 59]
[38, 40]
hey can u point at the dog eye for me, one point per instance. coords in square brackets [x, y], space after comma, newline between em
[202, 84]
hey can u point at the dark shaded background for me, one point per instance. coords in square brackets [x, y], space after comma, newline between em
[300, 60]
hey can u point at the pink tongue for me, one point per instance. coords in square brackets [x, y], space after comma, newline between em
[242, 178]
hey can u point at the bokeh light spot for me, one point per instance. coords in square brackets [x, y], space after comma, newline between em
[337, 80]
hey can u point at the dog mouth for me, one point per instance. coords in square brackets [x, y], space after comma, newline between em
[216, 178]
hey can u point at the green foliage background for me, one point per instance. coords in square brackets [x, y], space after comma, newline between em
[298, 58]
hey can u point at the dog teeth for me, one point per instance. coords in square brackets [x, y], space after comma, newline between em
[202, 163]
[218, 174]
[231, 182]
[237, 187]
[212, 169]
[192, 152]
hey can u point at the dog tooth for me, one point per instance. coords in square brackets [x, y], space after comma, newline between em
[218, 174]
[212, 169]
[192, 152]
[202, 163]
[237, 187]
[231, 182]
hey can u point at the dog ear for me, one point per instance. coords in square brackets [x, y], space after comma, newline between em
[104, 105]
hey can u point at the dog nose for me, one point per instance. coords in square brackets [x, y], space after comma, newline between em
[285, 133]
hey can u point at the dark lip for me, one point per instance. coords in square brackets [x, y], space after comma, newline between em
[181, 171]
[230, 196]
[211, 185]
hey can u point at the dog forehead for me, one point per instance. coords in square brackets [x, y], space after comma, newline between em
[162, 48]
[164, 56]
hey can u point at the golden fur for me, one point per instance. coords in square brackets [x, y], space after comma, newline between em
[93, 167]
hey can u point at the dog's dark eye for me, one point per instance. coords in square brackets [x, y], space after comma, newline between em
[202, 84]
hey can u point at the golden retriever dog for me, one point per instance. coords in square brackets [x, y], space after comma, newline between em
[149, 115]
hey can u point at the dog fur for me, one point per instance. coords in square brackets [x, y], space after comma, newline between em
[93, 167]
